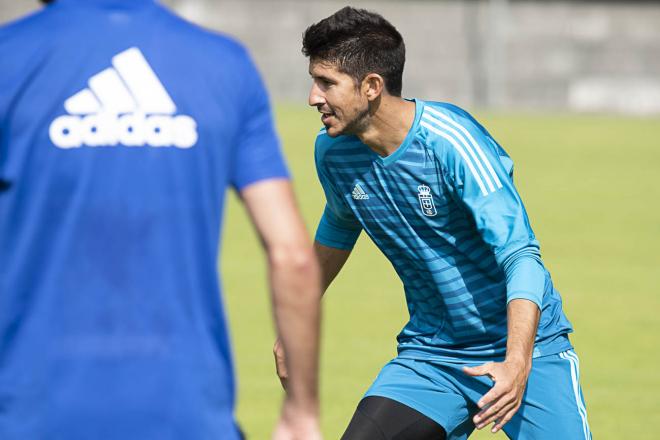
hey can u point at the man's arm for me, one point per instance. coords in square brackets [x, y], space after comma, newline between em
[479, 173]
[295, 288]
[331, 261]
[510, 376]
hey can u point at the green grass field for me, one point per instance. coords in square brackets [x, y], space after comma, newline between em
[590, 185]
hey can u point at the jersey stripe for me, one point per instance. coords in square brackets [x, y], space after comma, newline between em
[472, 141]
[571, 354]
[465, 144]
[575, 377]
[461, 152]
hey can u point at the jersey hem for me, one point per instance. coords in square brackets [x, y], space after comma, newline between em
[333, 243]
[424, 353]
[282, 175]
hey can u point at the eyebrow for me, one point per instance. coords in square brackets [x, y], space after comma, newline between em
[322, 77]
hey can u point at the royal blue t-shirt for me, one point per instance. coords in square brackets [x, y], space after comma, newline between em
[121, 127]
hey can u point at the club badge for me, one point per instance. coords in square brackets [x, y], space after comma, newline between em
[426, 201]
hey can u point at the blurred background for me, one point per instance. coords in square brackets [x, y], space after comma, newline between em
[572, 90]
[503, 54]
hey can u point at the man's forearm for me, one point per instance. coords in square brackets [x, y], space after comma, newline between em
[296, 296]
[331, 261]
[510, 377]
[295, 286]
[522, 324]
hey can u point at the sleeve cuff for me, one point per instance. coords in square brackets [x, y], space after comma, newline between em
[345, 246]
[524, 295]
[281, 173]
[332, 233]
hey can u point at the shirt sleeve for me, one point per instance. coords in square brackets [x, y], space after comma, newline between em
[338, 228]
[480, 178]
[257, 153]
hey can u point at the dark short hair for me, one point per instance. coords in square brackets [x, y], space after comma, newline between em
[358, 42]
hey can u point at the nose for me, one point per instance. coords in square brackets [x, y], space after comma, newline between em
[316, 97]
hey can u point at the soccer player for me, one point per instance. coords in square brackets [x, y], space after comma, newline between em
[121, 127]
[486, 344]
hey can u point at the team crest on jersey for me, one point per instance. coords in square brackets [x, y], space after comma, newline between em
[426, 201]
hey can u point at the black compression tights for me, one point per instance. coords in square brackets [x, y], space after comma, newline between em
[380, 418]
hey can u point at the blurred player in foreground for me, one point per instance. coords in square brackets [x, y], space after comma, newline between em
[121, 127]
[487, 341]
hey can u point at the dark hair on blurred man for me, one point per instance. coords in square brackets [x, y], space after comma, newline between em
[434, 191]
[121, 127]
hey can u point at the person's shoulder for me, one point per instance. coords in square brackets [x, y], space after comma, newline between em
[446, 125]
[443, 114]
[26, 39]
[455, 135]
[326, 144]
[25, 25]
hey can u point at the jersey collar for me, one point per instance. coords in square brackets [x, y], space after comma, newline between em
[419, 109]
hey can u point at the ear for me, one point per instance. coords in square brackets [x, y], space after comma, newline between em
[372, 86]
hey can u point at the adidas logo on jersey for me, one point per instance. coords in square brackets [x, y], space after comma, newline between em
[358, 193]
[125, 104]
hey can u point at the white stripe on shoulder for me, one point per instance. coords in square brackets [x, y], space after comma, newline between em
[472, 141]
[323, 131]
[460, 151]
[463, 141]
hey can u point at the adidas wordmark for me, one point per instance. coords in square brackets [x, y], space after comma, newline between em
[125, 104]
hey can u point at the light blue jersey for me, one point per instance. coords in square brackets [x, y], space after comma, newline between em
[444, 210]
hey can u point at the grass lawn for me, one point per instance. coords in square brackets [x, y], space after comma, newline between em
[590, 185]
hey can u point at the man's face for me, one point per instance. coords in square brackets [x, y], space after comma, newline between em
[343, 107]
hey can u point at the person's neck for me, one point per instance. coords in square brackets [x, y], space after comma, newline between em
[389, 125]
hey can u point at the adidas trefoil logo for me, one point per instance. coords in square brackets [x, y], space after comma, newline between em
[358, 193]
[125, 104]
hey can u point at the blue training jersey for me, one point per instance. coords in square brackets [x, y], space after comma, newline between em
[121, 126]
[444, 210]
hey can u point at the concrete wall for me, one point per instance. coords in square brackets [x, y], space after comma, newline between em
[550, 55]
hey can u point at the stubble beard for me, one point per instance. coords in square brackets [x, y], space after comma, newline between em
[359, 123]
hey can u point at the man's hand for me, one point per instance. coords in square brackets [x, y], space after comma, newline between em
[297, 424]
[280, 364]
[503, 400]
